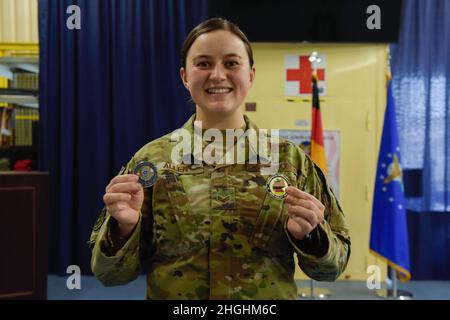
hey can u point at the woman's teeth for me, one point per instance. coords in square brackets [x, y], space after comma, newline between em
[218, 90]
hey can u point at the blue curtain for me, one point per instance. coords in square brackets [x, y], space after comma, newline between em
[421, 81]
[105, 91]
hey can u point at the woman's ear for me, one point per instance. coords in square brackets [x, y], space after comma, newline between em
[184, 77]
[252, 74]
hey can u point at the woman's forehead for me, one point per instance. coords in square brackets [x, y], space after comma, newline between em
[219, 42]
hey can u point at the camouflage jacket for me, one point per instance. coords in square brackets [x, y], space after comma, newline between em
[213, 232]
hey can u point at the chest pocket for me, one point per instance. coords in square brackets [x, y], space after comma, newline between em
[177, 194]
[178, 230]
[174, 180]
[268, 233]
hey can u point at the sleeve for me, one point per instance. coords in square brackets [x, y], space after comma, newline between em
[114, 266]
[324, 255]
[114, 262]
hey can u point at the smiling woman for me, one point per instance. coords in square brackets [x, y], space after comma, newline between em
[217, 69]
[214, 230]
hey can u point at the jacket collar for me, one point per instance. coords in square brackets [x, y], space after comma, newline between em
[195, 154]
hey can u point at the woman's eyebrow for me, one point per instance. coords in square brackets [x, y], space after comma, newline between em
[202, 56]
[233, 55]
[205, 56]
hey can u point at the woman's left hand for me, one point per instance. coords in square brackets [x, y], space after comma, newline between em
[305, 212]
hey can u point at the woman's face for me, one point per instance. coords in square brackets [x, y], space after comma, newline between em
[218, 74]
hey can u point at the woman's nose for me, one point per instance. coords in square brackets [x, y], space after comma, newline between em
[218, 73]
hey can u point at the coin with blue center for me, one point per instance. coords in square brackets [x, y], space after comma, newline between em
[147, 173]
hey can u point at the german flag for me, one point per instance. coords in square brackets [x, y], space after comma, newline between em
[278, 187]
[317, 144]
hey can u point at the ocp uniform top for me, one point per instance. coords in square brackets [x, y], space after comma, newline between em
[214, 232]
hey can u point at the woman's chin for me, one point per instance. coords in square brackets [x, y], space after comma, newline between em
[220, 108]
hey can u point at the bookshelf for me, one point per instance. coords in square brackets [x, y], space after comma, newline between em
[23, 195]
[19, 106]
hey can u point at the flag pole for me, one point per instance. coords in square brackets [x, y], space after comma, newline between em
[394, 283]
[314, 293]
[393, 293]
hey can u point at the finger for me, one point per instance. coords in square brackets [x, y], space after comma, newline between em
[130, 187]
[295, 192]
[304, 213]
[294, 227]
[122, 178]
[301, 202]
[116, 207]
[308, 204]
[304, 224]
[110, 198]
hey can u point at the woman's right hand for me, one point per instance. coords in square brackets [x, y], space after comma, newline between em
[123, 199]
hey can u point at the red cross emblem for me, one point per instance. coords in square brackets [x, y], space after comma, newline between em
[302, 75]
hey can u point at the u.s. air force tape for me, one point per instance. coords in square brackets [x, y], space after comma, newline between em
[147, 173]
[276, 186]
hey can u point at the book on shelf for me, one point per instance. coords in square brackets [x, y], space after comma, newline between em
[6, 127]
[23, 125]
[25, 80]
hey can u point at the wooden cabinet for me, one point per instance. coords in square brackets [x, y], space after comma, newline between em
[23, 235]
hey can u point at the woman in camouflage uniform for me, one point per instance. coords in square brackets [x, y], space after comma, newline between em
[205, 230]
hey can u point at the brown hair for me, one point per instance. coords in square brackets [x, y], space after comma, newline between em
[213, 25]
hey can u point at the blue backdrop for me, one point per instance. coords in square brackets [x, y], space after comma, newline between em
[421, 82]
[105, 90]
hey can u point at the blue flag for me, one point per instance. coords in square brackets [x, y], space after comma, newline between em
[389, 230]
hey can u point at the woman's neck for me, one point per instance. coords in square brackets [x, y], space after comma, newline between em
[220, 121]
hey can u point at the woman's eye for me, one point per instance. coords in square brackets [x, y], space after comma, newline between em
[232, 63]
[202, 64]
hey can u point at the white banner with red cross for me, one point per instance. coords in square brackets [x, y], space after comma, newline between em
[298, 75]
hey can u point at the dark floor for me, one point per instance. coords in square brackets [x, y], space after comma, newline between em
[91, 289]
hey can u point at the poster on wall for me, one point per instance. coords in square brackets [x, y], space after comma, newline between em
[332, 150]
